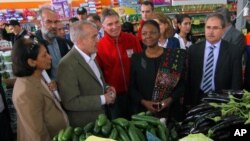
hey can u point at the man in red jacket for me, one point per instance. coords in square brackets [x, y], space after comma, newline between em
[114, 53]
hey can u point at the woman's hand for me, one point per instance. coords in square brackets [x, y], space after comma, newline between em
[149, 105]
[52, 85]
[165, 103]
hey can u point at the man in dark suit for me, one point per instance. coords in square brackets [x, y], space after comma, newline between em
[55, 46]
[83, 90]
[214, 64]
[17, 30]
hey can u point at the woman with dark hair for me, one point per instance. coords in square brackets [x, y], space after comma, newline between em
[39, 114]
[184, 30]
[157, 80]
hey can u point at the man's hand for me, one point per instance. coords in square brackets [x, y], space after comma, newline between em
[110, 97]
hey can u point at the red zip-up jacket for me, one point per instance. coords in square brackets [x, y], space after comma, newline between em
[114, 58]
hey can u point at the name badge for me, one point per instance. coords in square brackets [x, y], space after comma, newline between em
[130, 52]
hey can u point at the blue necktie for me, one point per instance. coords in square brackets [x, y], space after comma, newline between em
[208, 74]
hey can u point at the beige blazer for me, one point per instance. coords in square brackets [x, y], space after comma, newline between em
[39, 118]
[79, 89]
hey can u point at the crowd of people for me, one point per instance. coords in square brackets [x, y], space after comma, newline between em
[102, 67]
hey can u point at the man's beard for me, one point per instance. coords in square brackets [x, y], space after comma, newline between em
[50, 34]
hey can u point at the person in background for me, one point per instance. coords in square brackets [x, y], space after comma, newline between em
[114, 53]
[17, 30]
[71, 21]
[96, 20]
[56, 47]
[231, 34]
[81, 13]
[147, 12]
[174, 23]
[128, 27]
[83, 90]
[157, 76]
[6, 133]
[184, 30]
[167, 31]
[39, 115]
[60, 30]
[5, 35]
[213, 64]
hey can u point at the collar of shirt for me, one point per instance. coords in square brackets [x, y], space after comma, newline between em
[86, 57]
[217, 45]
[20, 33]
[164, 45]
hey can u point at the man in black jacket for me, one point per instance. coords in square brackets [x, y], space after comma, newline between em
[16, 28]
[56, 47]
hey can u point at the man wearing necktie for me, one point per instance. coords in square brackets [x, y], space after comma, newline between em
[213, 64]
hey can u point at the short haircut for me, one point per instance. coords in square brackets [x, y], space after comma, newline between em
[81, 11]
[95, 17]
[107, 13]
[225, 13]
[148, 3]
[152, 22]
[23, 50]
[77, 31]
[73, 19]
[14, 23]
[219, 16]
[40, 12]
[165, 20]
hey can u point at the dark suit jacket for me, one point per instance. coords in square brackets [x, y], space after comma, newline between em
[15, 38]
[79, 89]
[62, 43]
[228, 74]
[173, 43]
[235, 37]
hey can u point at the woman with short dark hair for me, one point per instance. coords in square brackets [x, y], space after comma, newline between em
[39, 114]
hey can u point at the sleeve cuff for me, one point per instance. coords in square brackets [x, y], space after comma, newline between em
[103, 101]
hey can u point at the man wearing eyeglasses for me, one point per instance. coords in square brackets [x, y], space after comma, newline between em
[213, 64]
[56, 47]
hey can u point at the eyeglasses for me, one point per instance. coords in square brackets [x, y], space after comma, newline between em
[213, 28]
[51, 22]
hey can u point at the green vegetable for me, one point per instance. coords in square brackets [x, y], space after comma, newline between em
[121, 122]
[113, 134]
[60, 135]
[106, 129]
[140, 134]
[149, 119]
[89, 127]
[55, 138]
[132, 133]
[97, 128]
[142, 114]
[162, 132]
[75, 137]
[102, 120]
[123, 135]
[68, 133]
[140, 124]
[82, 137]
[78, 131]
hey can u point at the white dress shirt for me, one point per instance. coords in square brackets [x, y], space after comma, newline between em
[90, 60]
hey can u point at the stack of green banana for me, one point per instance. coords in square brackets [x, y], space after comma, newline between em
[118, 129]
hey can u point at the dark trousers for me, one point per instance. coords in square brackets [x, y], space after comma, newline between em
[120, 107]
[5, 129]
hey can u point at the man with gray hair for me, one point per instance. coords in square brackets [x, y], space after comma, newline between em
[55, 46]
[83, 90]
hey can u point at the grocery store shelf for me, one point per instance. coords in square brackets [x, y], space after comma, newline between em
[198, 34]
